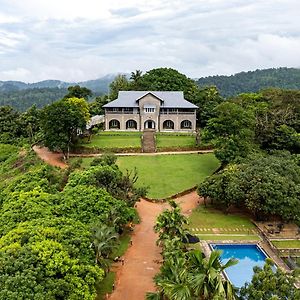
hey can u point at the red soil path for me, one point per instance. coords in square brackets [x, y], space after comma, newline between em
[51, 158]
[135, 277]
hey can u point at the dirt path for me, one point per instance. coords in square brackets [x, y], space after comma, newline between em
[135, 277]
[51, 158]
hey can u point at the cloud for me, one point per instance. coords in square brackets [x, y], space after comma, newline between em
[76, 40]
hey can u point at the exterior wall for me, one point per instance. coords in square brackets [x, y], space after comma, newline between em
[145, 116]
[122, 118]
[177, 119]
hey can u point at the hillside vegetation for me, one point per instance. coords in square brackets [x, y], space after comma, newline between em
[253, 81]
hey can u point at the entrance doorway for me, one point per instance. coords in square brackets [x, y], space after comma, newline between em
[149, 124]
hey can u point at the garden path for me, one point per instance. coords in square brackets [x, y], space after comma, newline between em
[135, 277]
[141, 261]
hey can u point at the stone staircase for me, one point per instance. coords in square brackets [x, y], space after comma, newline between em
[148, 141]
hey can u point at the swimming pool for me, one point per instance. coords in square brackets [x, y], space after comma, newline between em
[249, 256]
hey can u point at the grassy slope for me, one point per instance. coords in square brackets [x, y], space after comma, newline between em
[169, 174]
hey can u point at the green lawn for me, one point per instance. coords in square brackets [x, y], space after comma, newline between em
[175, 140]
[287, 244]
[169, 174]
[214, 221]
[166, 175]
[113, 140]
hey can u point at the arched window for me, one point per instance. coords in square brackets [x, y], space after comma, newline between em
[168, 124]
[186, 124]
[131, 124]
[114, 124]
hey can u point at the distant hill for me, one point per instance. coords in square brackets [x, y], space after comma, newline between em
[98, 86]
[21, 100]
[253, 81]
[23, 95]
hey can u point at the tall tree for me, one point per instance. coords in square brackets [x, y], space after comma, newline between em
[267, 284]
[61, 121]
[77, 91]
[231, 131]
[120, 83]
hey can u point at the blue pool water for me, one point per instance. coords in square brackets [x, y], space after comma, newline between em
[249, 256]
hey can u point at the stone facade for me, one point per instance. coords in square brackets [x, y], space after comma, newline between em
[150, 113]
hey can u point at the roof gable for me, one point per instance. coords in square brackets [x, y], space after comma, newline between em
[149, 93]
[170, 99]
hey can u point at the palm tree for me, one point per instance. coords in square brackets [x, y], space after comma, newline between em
[104, 241]
[174, 281]
[207, 279]
[170, 223]
[135, 76]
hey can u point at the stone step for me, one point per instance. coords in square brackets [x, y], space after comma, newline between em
[149, 141]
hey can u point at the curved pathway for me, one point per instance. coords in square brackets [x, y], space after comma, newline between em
[141, 261]
[135, 277]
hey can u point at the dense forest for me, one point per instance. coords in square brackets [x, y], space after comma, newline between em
[253, 81]
[21, 100]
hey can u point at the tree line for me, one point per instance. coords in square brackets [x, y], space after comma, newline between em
[253, 81]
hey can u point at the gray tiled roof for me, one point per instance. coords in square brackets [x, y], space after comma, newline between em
[169, 99]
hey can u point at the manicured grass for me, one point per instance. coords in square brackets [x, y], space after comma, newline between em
[215, 221]
[287, 244]
[175, 141]
[166, 175]
[169, 174]
[113, 140]
[222, 237]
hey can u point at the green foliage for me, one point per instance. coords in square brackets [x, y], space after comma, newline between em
[91, 205]
[170, 223]
[55, 244]
[231, 132]
[77, 91]
[110, 178]
[107, 159]
[253, 81]
[167, 79]
[120, 83]
[265, 185]
[268, 284]
[95, 107]
[60, 123]
[22, 100]
[50, 255]
[24, 206]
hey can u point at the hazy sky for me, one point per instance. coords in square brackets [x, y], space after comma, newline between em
[78, 40]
